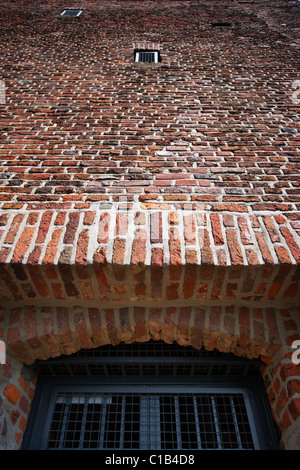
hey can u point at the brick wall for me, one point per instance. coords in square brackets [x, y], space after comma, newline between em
[158, 201]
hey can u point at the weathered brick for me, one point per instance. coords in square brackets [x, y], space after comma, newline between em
[23, 244]
[217, 230]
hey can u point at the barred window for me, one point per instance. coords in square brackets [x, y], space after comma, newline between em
[146, 56]
[71, 12]
[214, 402]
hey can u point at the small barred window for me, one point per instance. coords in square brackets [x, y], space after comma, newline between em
[71, 12]
[146, 56]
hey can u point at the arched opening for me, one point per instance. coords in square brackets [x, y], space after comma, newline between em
[151, 396]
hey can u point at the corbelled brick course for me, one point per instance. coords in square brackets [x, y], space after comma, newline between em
[199, 255]
[154, 201]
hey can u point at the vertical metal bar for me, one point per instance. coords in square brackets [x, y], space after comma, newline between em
[217, 427]
[235, 421]
[122, 424]
[144, 422]
[178, 425]
[64, 422]
[154, 422]
[86, 402]
[197, 423]
[102, 424]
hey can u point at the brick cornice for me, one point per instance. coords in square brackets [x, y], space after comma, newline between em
[149, 253]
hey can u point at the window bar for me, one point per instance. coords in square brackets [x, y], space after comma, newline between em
[102, 424]
[144, 422]
[178, 426]
[154, 423]
[197, 423]
[235, 421]
[82, 431]
[218, 432]
[122, 426]
[64, 423]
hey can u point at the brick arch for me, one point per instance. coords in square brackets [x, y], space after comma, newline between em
[44, 332]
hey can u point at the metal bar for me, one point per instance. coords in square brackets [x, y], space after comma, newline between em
[154, 422]
[178, 424]
[83, 423]
[235, 421]
[144, 422]
[122, 424]
[102, 424]
[64, 422]
[216, 421]
[150, 359]
[197, 423]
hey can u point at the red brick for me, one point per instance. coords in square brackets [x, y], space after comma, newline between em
[121, 224]
[140, 324]
[205, 247]
[13, 229]
[71, 228]
[82, 247]
[234, 248]
[12, 393]
[217, 230]
[246, 236]
[44, 227]
[265, 252]
[119, 251]
[291, 243]
[52, 247]
[103, 228]
[23, 244]
[156, 228]
[138, 254]
[175, 247]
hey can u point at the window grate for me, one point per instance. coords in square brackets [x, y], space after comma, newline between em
[147, 57]
[147, 359]
[150, 421]
[149, 396]
[71, 12]
[221, 24]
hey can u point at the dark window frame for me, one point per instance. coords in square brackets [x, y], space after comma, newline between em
[251, 386]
